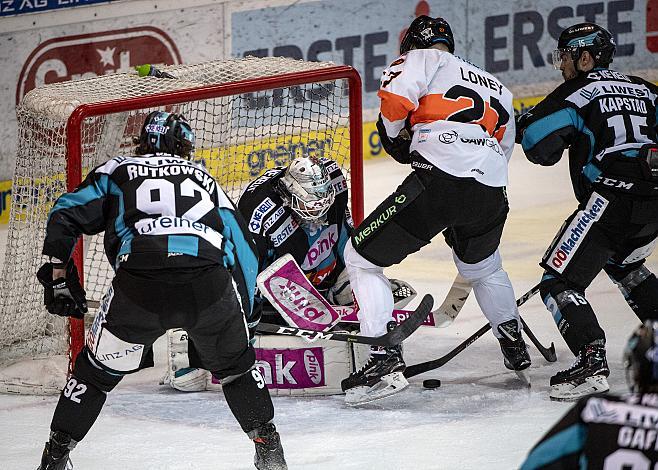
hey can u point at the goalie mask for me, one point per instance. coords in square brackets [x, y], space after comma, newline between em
[164, 132]
[306, 187]
[641, 358]
[582, 37]
[424, 32]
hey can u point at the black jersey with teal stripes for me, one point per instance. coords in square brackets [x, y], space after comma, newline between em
[601, 432]
[157, 212]
[277, 230]
[598, 114]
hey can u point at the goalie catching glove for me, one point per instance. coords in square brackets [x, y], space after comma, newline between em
[63, 296]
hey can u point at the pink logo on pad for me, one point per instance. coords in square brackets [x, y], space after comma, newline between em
[291, 368]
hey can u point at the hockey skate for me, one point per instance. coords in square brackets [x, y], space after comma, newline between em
[269, 453]
[56, 453]
[586, 376]
[514, 349]
[381, 376]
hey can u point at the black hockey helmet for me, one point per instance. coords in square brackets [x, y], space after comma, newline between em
[641, 358]
[164, 132]
[588, 37]
[424, 32]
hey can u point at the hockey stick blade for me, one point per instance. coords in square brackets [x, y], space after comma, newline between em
[453, 303]
[392, 338]
[423, 367]
[548, 353]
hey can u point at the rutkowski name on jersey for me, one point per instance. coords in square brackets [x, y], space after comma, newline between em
[157, 211]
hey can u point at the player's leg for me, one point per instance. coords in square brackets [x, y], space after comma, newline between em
[474, 242]
[112, 350]
[221, 339]
[628, 271]
[577, 254]
[405, 222]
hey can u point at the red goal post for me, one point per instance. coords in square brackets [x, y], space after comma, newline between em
[315, 110]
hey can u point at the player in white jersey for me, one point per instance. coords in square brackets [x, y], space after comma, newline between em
[453, 123]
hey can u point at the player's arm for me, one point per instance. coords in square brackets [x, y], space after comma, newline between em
[241, 255]
[75, 213]
[262, 242]
[506, 131]
[562, 446]
[654, 89]
[402, 85]
[546, 130]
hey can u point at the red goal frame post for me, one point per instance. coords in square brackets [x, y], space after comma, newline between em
[77, 117]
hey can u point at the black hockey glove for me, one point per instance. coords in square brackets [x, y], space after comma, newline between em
[398, 148]
[63, 296]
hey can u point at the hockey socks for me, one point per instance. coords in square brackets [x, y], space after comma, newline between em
[82, 398]
[572, 313]
[249, 399]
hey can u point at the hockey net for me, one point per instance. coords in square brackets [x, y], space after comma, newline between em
[248, 115]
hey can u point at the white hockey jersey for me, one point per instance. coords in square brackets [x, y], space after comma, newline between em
[461, 116]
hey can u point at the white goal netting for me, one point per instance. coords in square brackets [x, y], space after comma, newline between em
[238, 136]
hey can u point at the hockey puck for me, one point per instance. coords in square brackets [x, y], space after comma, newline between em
[431, 383]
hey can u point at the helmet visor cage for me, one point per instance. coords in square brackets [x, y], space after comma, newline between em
[312, 201]
[560, 54]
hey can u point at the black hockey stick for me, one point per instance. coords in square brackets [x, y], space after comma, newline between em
[548, 353]
[392, 338]
[423, 367]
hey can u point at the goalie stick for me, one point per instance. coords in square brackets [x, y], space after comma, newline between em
[548, 353]
[392, 338]
[453, 303]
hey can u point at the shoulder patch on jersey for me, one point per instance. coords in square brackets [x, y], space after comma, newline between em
[273, 218]
[339, 184]
[287, 228]
[259, 213]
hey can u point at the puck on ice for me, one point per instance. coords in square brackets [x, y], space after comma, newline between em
[431, 383]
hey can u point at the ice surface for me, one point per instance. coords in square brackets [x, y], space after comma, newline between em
[477, 419]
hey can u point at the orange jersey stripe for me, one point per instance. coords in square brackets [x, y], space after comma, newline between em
[394, 107]
[436, 107]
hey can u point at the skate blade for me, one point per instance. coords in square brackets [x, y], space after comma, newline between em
[388, 385]
[524, 377]
[571, 392]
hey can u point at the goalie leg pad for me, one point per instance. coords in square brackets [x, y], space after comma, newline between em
[492, 287]
[403, 293]
[341, 292]
[83, 397]
[292, 367]
[180, 375]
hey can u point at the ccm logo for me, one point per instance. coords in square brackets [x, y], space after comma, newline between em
[89, 55]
